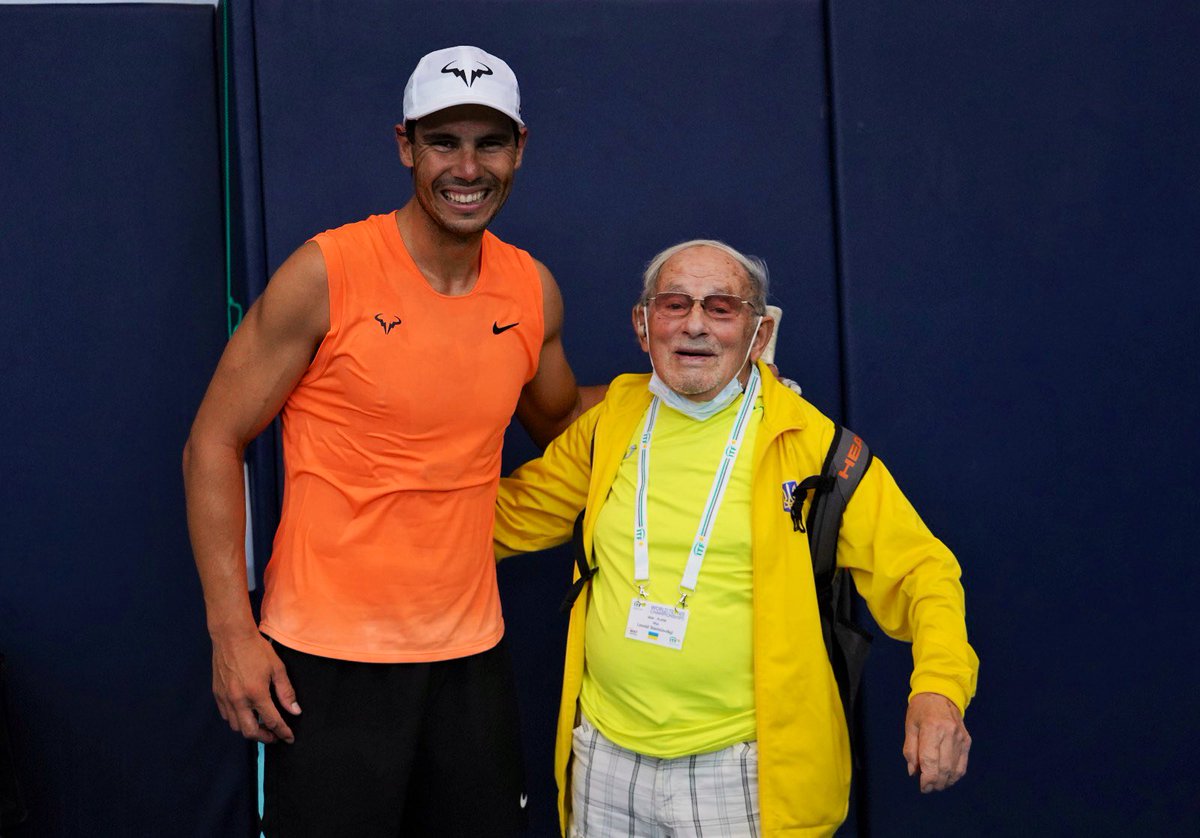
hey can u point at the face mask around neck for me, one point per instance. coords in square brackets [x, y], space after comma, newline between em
[696, 410]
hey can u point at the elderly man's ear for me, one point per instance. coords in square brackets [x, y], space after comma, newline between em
[639, 326]
[765, 330]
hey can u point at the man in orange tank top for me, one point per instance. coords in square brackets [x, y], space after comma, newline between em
[381, 605]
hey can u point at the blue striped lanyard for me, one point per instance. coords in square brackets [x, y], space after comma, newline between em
[641, 543]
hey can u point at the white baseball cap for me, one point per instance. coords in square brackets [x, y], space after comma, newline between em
[461, 76]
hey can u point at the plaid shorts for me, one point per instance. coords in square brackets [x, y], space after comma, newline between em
[618, 792]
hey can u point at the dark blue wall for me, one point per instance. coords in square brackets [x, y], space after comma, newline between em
[993, 263]
[110, 212]
[1019, 191]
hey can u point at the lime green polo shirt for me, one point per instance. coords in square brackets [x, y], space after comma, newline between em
[654, 700]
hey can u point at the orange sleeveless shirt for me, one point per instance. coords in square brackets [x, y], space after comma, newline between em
[392, 454]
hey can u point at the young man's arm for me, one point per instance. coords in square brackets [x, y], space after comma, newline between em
[552, 399]
[264, 359]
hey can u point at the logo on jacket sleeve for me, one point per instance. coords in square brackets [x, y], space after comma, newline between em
[852, 456]
[789, 495]
[387, 325]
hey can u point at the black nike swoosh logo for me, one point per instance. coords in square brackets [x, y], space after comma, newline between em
[497, 328]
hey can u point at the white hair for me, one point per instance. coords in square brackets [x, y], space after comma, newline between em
[756, 270]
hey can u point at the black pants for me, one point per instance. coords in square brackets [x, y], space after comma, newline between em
[398, 749]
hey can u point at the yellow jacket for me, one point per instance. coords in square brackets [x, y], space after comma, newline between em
[909, 579]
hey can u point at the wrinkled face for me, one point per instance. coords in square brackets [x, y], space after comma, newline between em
[463, 159]
[696, 354]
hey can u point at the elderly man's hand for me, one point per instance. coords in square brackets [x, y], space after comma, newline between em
[936, 742]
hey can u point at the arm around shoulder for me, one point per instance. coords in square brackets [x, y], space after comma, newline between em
[552, 399]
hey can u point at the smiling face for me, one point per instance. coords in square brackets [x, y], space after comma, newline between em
[463, 160]
[696, 355]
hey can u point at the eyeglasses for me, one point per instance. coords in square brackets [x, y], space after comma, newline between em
[674, 305]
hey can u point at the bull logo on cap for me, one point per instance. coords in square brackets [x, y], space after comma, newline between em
[462, 74]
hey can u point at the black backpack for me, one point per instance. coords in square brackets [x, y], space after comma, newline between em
[846, 643]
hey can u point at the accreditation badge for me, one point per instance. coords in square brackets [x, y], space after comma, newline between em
[656, 623]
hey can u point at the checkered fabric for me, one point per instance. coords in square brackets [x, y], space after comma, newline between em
[617, 792]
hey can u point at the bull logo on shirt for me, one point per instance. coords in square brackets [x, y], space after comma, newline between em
[387, 325]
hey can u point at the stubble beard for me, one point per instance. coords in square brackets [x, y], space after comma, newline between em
[694, 382]
[433, 205]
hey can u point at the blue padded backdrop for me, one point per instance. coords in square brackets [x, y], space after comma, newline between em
[1013, 262]
[110, 207]
[649, 123]
[1019, 189]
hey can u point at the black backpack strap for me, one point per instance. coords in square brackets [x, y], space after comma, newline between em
[845, 642]
[818, 482]
[845, 464]
[586, 572]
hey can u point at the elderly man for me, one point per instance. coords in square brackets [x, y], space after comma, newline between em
[698, 697]
[381, 605]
